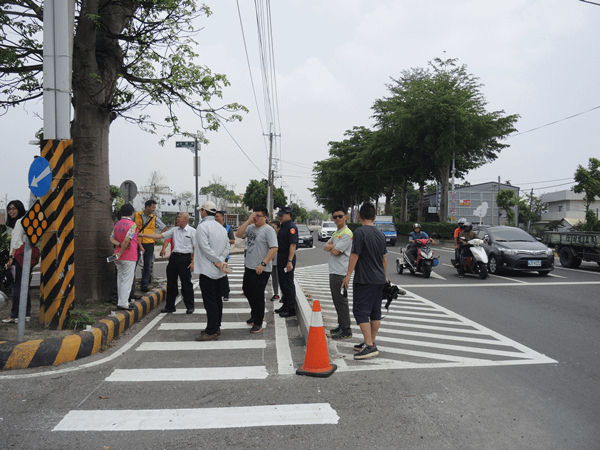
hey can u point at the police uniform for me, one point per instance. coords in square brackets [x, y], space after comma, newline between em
[288, 235]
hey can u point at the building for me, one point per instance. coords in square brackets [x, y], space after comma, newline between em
[566, 206]
[476, 203]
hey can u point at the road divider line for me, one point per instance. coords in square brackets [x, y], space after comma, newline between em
[199, 418]
[196, 346]
[189, 374]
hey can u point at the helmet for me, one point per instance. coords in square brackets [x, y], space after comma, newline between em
[417, 225]
[468, 226]
[461, 222]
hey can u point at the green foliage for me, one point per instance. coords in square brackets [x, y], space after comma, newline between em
[588, 182]
[116, 198]
[531, 208]
[257, 191]
[242, 213]
[506, 199]
[299, 214]
[591, 222]
[217, 189]
[78, 318]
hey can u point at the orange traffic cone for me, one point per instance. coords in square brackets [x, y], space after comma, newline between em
[316, 360]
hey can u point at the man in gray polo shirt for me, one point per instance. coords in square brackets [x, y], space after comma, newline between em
[339, 247]
[261, 247]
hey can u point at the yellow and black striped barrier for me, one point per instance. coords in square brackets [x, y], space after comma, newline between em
[51, 352]
[57, 285]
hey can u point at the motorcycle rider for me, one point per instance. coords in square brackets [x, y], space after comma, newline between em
[461, 226]
[467, 233]
[412, 241]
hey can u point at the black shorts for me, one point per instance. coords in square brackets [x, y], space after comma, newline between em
[366, 302]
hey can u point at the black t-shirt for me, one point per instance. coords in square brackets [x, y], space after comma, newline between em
[370, 246]
[288, 235]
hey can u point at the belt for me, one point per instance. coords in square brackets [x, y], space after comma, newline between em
[180, 253]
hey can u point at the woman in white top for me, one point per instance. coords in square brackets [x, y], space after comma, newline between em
[16, 211]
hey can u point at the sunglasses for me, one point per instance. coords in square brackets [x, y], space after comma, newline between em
[338, 217]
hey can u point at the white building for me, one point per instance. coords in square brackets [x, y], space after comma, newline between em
[566, 205]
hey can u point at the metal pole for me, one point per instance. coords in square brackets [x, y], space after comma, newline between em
[196, 212]
[270, 174]
[530, 210]
[25, 282]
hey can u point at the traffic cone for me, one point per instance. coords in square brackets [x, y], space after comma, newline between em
[316, 359]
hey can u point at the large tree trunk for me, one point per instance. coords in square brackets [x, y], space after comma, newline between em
[97, 58]
[420, 216]
[388, 198]
[404, 200]
[443, 177]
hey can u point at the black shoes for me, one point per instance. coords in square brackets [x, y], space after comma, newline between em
[167, 310]
[275, 297]
[250, 321]
[190, 311]
[278, 310]
[287, 313]
[145, 289]
[125, 308]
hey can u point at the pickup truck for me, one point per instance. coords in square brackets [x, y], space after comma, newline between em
[573, 247]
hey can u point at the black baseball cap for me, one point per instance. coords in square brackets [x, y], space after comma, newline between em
[284, 210]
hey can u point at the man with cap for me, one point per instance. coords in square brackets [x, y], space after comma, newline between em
[181, 262]
[287, 238]
[211, 247]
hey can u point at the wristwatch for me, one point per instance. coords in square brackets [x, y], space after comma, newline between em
[263, 264]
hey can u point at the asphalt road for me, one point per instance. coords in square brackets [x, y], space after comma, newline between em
[508, 362]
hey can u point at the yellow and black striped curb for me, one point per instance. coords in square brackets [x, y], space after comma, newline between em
[48, 352]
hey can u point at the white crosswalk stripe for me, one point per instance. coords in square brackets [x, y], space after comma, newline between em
[417, 333]
[172, 337]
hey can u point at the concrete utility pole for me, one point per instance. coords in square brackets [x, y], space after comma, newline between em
[271, 178]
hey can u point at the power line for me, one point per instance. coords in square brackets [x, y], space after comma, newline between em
[556, 121]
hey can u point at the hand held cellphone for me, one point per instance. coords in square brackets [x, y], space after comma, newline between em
[112, 258]
[344, 292]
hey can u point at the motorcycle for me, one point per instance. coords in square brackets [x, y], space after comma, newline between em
[476, 259]
[424, 263]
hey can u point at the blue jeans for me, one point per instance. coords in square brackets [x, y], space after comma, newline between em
[148, 263]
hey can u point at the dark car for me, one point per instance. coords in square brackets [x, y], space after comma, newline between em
[510, 248]
[305, 237]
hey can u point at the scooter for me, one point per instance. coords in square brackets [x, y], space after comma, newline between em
[476, 259]
[424, 263]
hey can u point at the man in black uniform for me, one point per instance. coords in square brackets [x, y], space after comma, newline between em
[287, 239]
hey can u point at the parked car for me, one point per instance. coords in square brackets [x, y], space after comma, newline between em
[511, 248]
[305, 237]
[326, 230]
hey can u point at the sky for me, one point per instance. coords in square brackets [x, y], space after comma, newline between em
[535, 58]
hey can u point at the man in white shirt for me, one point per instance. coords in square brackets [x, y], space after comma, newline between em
[181, 262]
[211, 247]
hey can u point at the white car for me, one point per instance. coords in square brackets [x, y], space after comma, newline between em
[326, 230]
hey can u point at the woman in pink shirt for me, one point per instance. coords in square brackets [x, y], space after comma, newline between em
[124, 237]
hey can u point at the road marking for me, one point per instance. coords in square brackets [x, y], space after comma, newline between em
[197, 345]
[198, 419]
[190, 374]
[285, 363]
[483, 283]
[418, 333]
[198, 326]
[225, 311]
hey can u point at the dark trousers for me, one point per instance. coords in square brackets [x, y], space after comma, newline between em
[254, 289]
[114, 290]
[148, 262]
[16, 293]
[213, 303]
[178, 267]
[340, 302]
[224, 286]
[286, 283]
[275, 281]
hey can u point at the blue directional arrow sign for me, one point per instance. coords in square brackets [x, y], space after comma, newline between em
[40, 177]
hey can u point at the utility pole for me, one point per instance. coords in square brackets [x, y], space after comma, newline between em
[271, 178]
[530, 210]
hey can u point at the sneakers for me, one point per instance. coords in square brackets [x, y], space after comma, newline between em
[256, 329]
[341, 335]
[218, 332]
[366, 352]
[287, 313]
[275, 297]
[335, 330]
[359, 347]
[250, 321]
[207, 337]
[16, 319]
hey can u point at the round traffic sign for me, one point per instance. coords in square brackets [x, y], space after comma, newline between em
[40, 177]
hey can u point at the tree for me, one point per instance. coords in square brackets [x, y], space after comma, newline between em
[299, 214]
[127, 55]
[185, 199]
[588, 182]
[506, 200]
[440, 115]
[219, 190]
[256, 194]
[531, 208]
